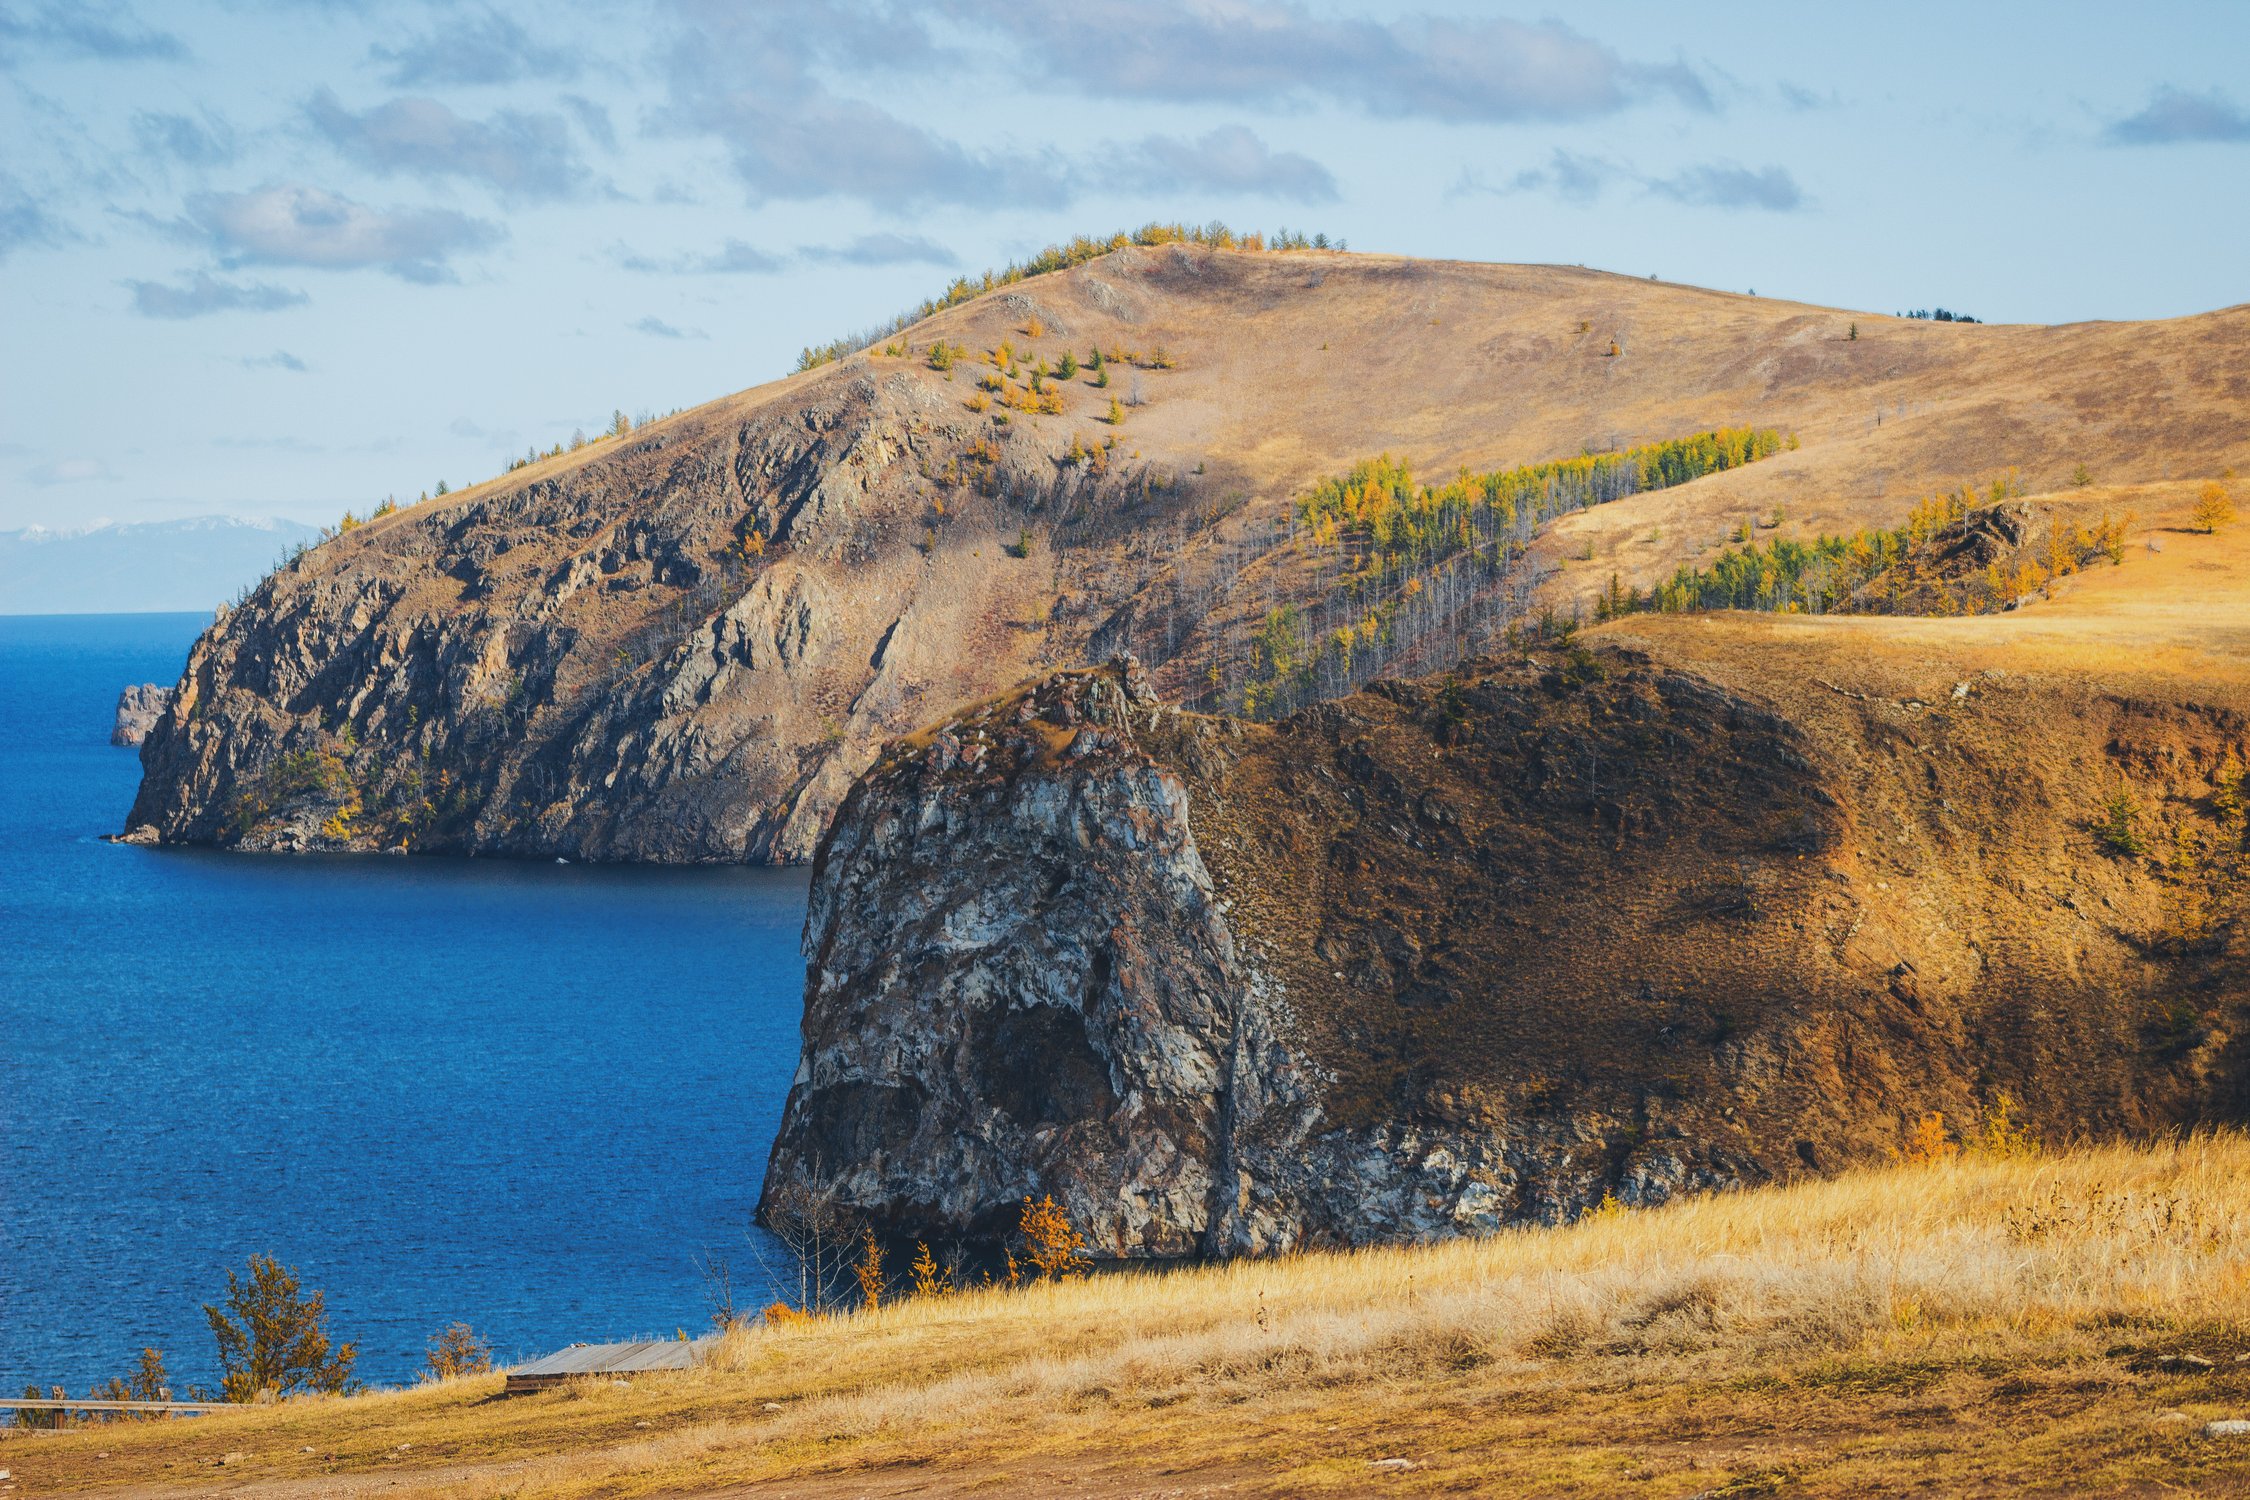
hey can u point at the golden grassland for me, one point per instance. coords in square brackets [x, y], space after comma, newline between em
[1981, 1324]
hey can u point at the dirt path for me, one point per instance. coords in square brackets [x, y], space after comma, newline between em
[1130, 1481]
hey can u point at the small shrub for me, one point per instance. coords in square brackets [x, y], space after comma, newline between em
[868, 1271]
[1927, 1144]
[41, 1418]
[2120, 826]
[782, 1315]
[457, 1351]
[1052, 1248]
[926, 1279]
[1998, 1134]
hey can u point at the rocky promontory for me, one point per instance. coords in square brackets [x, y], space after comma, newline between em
[138, 708]
[1484, 948]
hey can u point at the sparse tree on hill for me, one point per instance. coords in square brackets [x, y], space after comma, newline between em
[2120, 827]
[2214, 508]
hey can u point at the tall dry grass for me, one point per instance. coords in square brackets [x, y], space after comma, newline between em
[2039, 1259]
[1736, 1308]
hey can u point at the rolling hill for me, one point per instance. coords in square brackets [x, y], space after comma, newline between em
[683, 645]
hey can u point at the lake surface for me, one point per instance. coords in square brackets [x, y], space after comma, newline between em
[530, 1097]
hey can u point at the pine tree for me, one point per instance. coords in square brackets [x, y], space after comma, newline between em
[1116, 412]
[273, 1337]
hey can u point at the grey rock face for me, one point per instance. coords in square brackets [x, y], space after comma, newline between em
[1021, 979]
[138, 709]
[1018, 982]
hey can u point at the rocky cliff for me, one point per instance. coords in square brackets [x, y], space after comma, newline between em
[1480, 949]
[681, 649]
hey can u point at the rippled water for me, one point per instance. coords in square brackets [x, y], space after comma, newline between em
[526, 1096]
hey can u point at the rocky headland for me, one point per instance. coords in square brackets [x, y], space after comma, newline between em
[1489, 947]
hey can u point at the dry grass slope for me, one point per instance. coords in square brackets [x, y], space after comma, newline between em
[1989, 1324]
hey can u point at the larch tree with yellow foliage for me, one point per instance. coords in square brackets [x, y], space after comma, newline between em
[2214, 507]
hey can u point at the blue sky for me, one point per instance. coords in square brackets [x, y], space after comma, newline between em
[273, 258]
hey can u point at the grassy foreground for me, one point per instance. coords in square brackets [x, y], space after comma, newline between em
[1974, 1326]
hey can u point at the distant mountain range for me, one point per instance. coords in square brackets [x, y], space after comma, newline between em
[141, 566]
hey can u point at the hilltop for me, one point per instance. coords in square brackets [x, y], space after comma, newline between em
[684, 644]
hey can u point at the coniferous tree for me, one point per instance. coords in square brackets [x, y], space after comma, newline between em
[274, 1337]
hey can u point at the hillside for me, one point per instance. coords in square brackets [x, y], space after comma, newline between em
[1696, 901]
[1982, 1326]
[685, 644]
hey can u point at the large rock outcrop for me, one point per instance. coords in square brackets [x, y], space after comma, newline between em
[1480, 949]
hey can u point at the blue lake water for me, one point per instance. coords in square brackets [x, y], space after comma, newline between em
[531, 1097]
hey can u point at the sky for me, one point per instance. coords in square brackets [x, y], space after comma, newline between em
[284, 257]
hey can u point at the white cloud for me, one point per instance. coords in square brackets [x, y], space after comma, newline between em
[289, 224]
